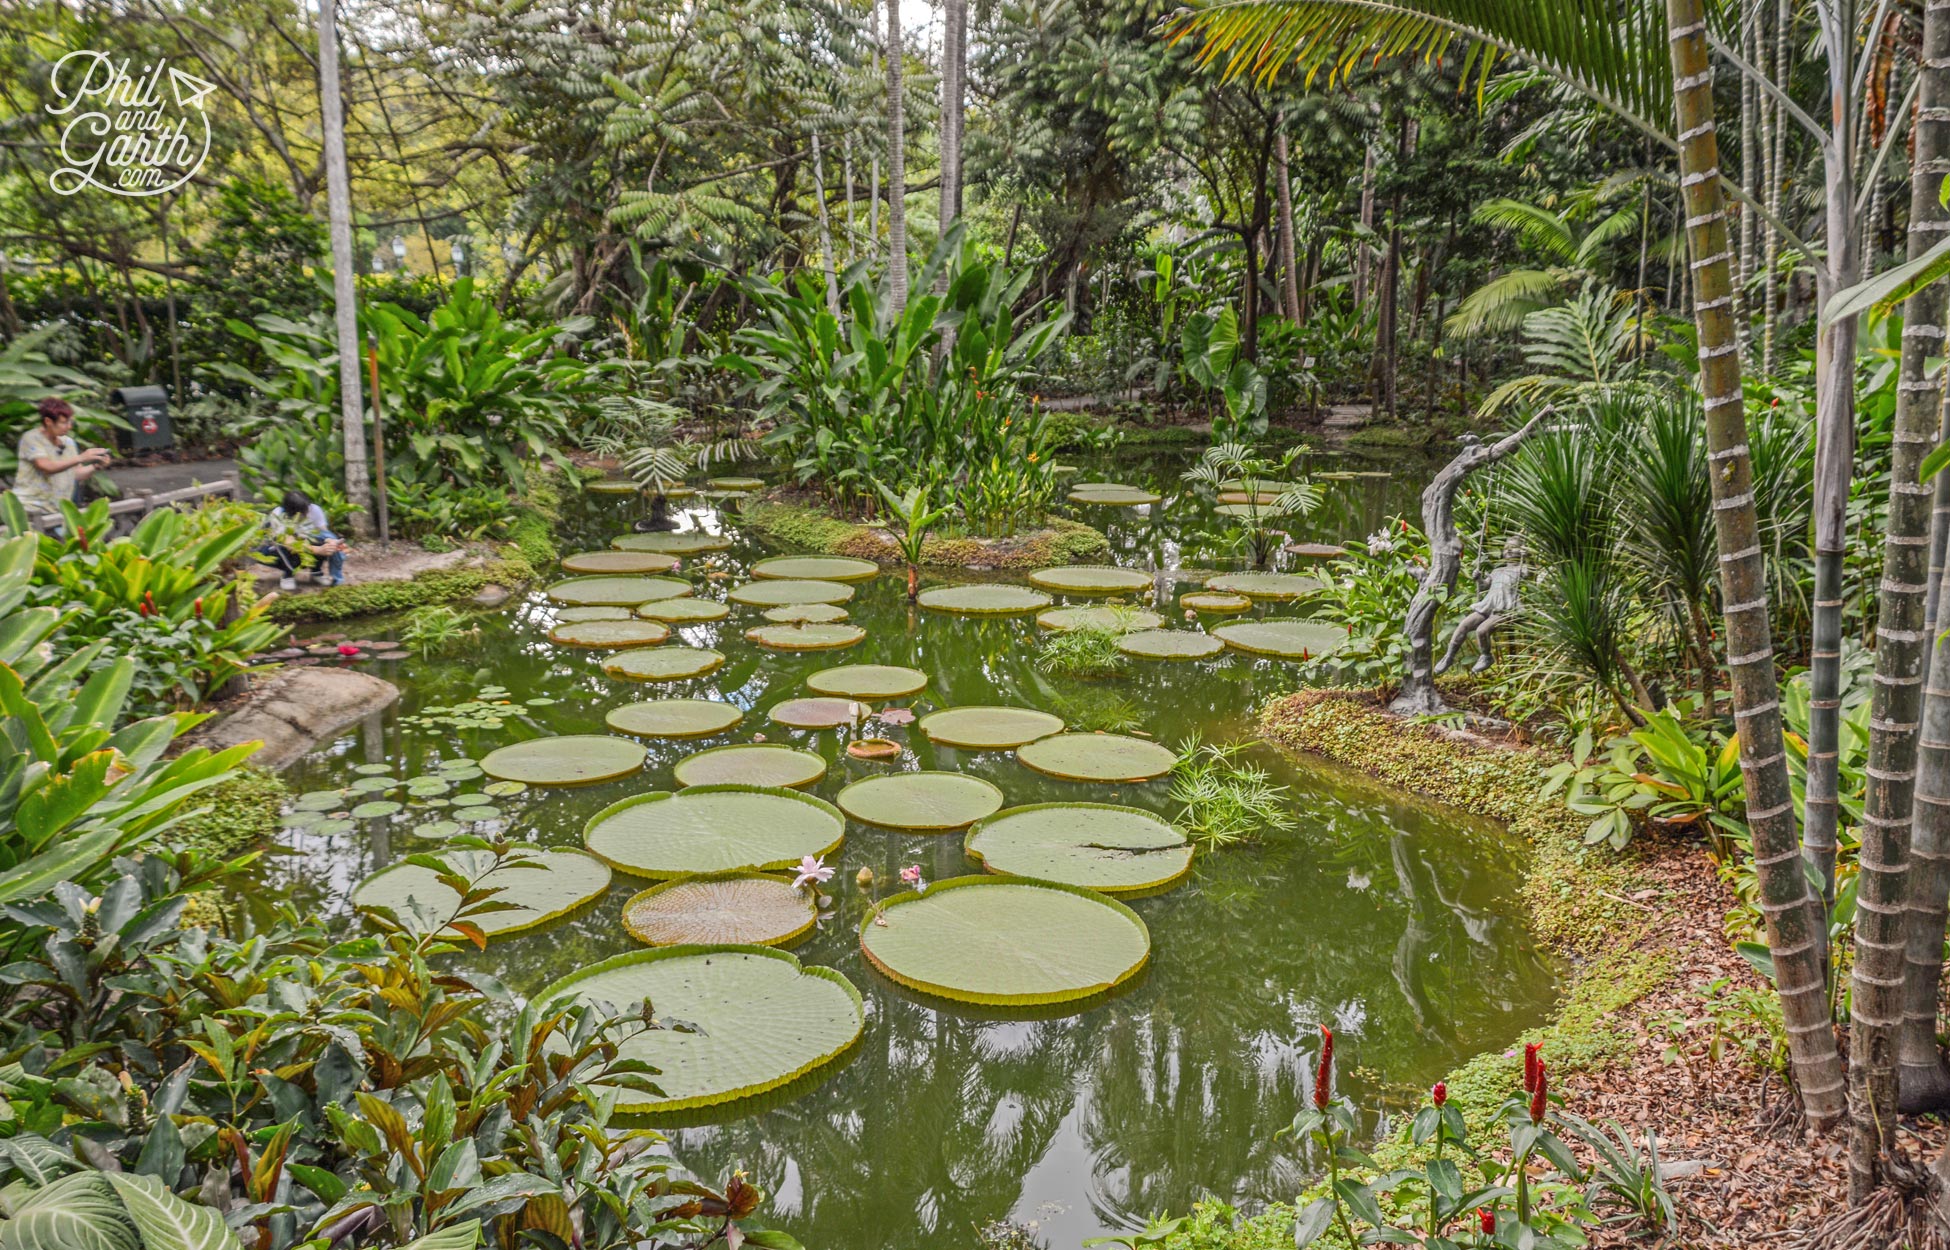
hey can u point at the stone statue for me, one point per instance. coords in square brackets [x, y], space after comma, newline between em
[1418, 696]
[1498, 602]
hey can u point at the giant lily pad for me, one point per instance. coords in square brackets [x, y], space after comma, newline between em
[1289, 640]
[1005, 941]
[759, 1020]
[988, 728]
[1080, 579]
[613, 486]
[672, 544]
[1247, 511]
[806, 614]
[736, 485]
[674, 718]
[618, 562]
[738, 908]
[868, 681]
[617, 591]
[599, 634]
[542, 885]
[985, 599]
[663, 663]
[1263, 498]
[1097, 757]
[777, 593]
[1113, 616]
[817, 568]
[819, 713]
[1213, 601]
[682, 611]
[750, 764]
[1111, 494]
[924, 800]
[571, 760]
[1170, 644]
[1119, 850]
[1263, 585]
[713, 829]
[571, 616]
[806, 637]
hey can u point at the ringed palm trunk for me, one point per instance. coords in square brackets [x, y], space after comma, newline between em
[1792, 917]
[896, 164]
[1289, 278]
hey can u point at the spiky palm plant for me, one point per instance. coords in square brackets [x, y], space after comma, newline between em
[1571, 252]
[1667, 503]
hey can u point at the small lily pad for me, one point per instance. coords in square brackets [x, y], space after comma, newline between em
[768, 764]
[503, 789]
[570, 760]
[1214, 601]
[1276, 586]
[818, 713]
[1118, 850]
[1170, 644]
[438, 830]
[806, 613]
[868, 682]
[817, 568]
[988, 728]
[984, 599]
[806, 637]
[597, 635]
[772, 594]
[1109, 616]
[319, 800]
[373, 770]
[1289, 640]
[695, 543]
[619, 562]
[931, 801]
[617, 591]
[674, 718]
[663, 663]
[713, 829]
[736, 908]
[542, 885]
[372, 785]
[428, 787]
[479, 814]
[1090, 580]
[683, 611]
[475, 800]
[1097, 757]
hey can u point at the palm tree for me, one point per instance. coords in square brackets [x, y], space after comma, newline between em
[1571, 254]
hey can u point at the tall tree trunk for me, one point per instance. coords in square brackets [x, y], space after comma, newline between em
[847, 160]
[1774, 142]
[345, 294]
[1792, 917]
[1283, 188]
[954, 91]
[896, 164]
[1363, 255]
[1751, 34]
[826, 259]
[1923, 1077]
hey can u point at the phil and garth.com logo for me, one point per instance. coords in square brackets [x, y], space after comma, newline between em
[127, 135]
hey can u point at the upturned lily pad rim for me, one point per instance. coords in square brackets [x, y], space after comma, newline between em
[682, 611]
[882, 781]
[647, 588]
[702, 878]
[984, 599]
[1089, 579]
[527, 926]
[939, 738]
[656, 953]
[1273, 586]
[707, 661]
[833, 569]
[660, 796]
[986, 881]
[1215, 601]
[1170, 644]
[588, 634]
[855, 712]
[814, 636]
[1124, 778]
[823, 681]
[806, 614]
[677, 769]
[595, 562]
[1238, 634]
[738, 714]
[1145, 890]
[779, 591]
[672, 542]
[1122, 497]
[500, 757]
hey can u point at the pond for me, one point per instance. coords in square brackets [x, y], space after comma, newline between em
[1395, 921]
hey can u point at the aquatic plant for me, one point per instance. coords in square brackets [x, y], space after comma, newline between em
[1090, 649]
[434, 627]
[917, 517]
[1222, 799]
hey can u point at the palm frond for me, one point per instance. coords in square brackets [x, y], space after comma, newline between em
[1538, 227]
[1502, 303]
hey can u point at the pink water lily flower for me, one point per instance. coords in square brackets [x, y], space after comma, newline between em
[812, 868]
[347, 650]
[911, 875]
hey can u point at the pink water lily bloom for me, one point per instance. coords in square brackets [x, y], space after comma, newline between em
[911, 875]
[813, 869]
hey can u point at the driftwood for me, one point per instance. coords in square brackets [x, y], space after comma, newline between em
[1418, 696]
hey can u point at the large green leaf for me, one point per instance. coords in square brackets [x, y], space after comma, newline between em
[927, 801]
[77, 1212]
[570, 760]
[1100, 846]
[1097, 757]
[459, 1237]
[536, 888]
[713, 829]
[165, 1221]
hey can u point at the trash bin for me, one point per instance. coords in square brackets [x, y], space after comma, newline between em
[146, 409]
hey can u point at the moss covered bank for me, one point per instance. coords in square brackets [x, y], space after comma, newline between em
[1059, 541]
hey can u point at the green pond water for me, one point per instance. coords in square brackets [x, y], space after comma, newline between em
[1392, 920]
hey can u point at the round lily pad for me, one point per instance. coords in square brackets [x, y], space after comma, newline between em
[1170, 644]
[1107, 494]
[1005, 941]
[924, 800]
[806, 637]
[1289, 640]
[374, 810]
[662, 663]
[437, 829]
[1263, 585]
[713, 829]
[1097, 757]
[750, 764]
[613, 486]
[542, 885]
[817, 568]
[572, 616]
[1099, 846]
[1214, 601]
[674, 718]
[775, 593]
[1105, 617]
[672, 544]
[504, 789]
[819, 713]
[372, 785]
[759, 1020]
[373, 770]
[475, 800]
[618, 562]
[571, 760]
[479, 814]
[319, 800]
[600, 634]
[988, 728]
[737, 484]
[869, 682]
[617, 591]
[806, 613]
[1248, 511]
[1090, 580]
[1263, 497]
[683, 611]
[737, 908]
[1315, 551]
[988, 599]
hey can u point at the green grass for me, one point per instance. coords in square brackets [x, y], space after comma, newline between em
[241, 812]
[1087, 652]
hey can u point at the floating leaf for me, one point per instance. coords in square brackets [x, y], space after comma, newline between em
[817, 568]
[683, 611]
[757, 1019]
[1170, 644]
[672, 544]
[806, 613]
[373, 770]
[1247, 498]
[1105, 494]
[373, 811]
[1264, 585]
[1213, 601]
[713, 829]
[503, 789]
[617, 591]
[734, 908]
[750, 764]
[619, 562]
[1105, 617]
[772, 594]
[818, 713]
[868, 682]
[1097, 757]
[571, 760]
[674, 718]
[599, 634]
[1246, 511]
[572, 616]
[663, 663]
[924, 800]
[437, 829]
[564, 882]
[806, 637]
[1006, 942]
[612, 486]
[372, 785]
[478, 800]
[1118, 850]
[988, 728]
[319, 800]
[736, 484]
[1291, 640]
[1090, 580]
[985, 599]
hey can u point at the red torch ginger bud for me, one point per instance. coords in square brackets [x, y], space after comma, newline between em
[1440, 1093]
[1323, 1076]
[197, 607]
[1532, 1065]
[1486, 1219]
[1537, 1095]
[81, 536]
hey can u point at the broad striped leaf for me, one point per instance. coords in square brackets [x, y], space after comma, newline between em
[78, 1212]
[165, 1221]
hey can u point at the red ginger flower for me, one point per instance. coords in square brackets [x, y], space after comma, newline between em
[1440, 1093]
[1532, 1065]
[348, 650]
[1323, 1076]
[1486, 1219]
[1537, 1095]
